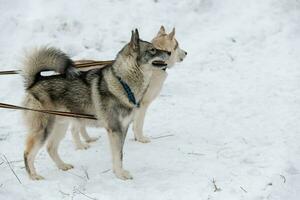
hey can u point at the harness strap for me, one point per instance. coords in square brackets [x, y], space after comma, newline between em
[51, 112]
[77, 65]
[129, 92]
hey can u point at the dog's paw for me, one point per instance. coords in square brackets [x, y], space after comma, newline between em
[36, 177]
[123, 174]
[143, 139]
[65, 167]
[82, 146]
[92, 139]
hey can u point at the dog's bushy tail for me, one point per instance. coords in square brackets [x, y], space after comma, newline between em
[45, 59]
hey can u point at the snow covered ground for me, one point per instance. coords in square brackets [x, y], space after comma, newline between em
[232, 107]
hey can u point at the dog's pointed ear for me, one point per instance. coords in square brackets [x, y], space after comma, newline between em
[172, 34]
[134, 41]
[137, 33]
[137, 39]
[161, 31]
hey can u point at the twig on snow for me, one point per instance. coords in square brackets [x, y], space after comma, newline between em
[3, 137]
[77, 175]
[195, 154]
[243, 189]
[163, 136]
[245, 141]
[11, 168]
[103, 172]
[215, 186]
[231, 58]
[233, 40]
[73, 193]
[15, 161]
[283, 177]
[2, 161]
[64, 193]
[85, 173]
[76, 189]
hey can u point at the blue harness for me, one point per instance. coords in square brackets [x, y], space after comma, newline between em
[129, 92]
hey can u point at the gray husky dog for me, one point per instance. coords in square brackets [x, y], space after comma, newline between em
[164, 41]
[111, 94]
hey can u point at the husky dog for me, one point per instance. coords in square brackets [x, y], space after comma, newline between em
[161, 41]
[111, 94]
[165, 42]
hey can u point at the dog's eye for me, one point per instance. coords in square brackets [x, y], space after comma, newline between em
[152, 51]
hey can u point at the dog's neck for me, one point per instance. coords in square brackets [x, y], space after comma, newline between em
[130, 74]
[128, 69]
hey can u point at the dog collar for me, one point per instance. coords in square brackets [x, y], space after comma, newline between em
[129, 92]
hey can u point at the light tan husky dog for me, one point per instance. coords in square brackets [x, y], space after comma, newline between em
[162, 41]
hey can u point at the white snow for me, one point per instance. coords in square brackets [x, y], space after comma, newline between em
[232, 106]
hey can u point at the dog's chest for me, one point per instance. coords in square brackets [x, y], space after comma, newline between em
[155, 85]
[126, 120]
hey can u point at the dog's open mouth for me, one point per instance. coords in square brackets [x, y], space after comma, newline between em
[159, 63]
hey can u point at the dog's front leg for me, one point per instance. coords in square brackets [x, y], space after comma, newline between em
[86, 136]
[138, 123]
[75, 130]
[116, 139]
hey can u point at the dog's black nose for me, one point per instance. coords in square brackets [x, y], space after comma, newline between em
[185, 53]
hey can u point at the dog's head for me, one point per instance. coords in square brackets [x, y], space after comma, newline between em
[144, 53]
[168, 42]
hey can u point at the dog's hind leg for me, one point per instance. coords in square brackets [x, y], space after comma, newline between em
[36, 138]
[75, 130]
[57, 135]
[138, 123]
[34, 142]
[116, 139]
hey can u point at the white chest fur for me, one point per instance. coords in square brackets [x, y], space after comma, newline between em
[155, 85]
